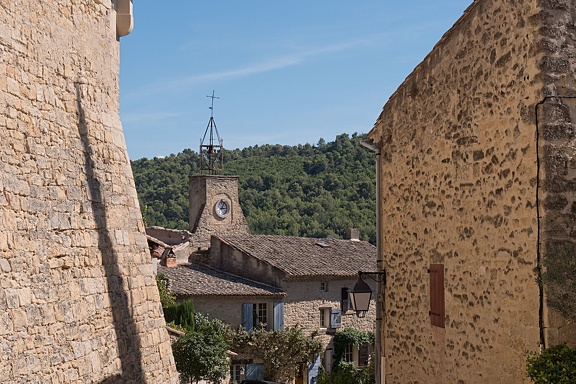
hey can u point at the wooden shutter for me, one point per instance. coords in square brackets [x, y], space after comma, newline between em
[255, 371]
[248, 316]
[344, 300]
[278, 316]
[335, 318]
[437, 294]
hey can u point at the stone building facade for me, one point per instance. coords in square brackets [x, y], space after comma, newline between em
[477, 179]
[78, 301]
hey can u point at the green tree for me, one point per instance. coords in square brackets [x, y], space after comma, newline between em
[201, 353]
[303, 190]
[280, 350]
[182, 314]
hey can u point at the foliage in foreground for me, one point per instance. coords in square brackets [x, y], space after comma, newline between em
[280, 350]
[559, 279]
[344, 372]
[201, 354]
[555, 365]
[348, 374]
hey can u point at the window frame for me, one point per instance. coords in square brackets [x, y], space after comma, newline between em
[236, 372]
[348, 354]
[259, 312]
[324, 320]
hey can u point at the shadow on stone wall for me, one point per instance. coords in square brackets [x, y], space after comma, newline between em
[129, 346]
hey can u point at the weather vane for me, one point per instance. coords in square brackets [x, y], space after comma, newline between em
[211, 156]
[212, 106]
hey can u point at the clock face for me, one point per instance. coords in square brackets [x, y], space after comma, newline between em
[222, 208]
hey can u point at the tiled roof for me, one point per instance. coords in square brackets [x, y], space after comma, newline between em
[198, 280]
[156, 241]
[301, 257]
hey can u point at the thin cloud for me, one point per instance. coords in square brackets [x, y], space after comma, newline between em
[268, 65]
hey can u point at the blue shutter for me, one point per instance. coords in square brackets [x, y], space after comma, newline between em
[335, 318]
[248, 316]
[278, 316]
[313, 369]
[255, 371]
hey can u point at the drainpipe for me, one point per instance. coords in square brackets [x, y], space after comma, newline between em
[378, 343]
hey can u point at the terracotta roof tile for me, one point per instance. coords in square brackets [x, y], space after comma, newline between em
[199, 280]
[303, 257]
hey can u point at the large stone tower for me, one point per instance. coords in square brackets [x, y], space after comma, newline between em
[78, 301]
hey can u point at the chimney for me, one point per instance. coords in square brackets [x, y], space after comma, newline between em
[353, 234]
[168, 258]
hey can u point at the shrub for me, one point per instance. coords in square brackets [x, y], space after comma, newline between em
[555, 365]
[167, 297]
[181, 313]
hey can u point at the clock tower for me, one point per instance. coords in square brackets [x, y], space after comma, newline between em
[214, 207]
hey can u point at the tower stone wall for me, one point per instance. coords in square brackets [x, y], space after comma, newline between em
[205, 192]
[78, 301]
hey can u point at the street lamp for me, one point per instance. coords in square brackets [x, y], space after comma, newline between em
[362, 293]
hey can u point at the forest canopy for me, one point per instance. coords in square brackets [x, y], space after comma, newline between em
[304, 190]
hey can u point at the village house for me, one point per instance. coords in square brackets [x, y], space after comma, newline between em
[247, 280]
[476, 173]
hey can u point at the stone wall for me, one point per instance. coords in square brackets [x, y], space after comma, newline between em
[227, 258]
[78, 301]
[305, 299]
[229, 309]
[460, 157]
[556, 119]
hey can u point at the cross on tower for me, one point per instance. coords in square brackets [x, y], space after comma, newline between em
[212, 106]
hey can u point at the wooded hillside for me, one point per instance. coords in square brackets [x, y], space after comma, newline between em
[303, 190]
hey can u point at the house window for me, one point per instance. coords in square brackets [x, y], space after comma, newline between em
[437, 312]
[260, 314]
[256, 314]
[348, 355]
[236, 371]
[324, 313]
[364, 355]
[323, 286]
[330, 318]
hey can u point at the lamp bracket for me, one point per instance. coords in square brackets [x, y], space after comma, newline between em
[376, 276]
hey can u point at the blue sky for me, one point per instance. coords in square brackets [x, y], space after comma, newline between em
[287, 72]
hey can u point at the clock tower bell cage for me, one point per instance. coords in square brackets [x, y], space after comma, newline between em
[214, 206]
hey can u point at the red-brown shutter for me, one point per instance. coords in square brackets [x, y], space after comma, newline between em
[437, 294]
